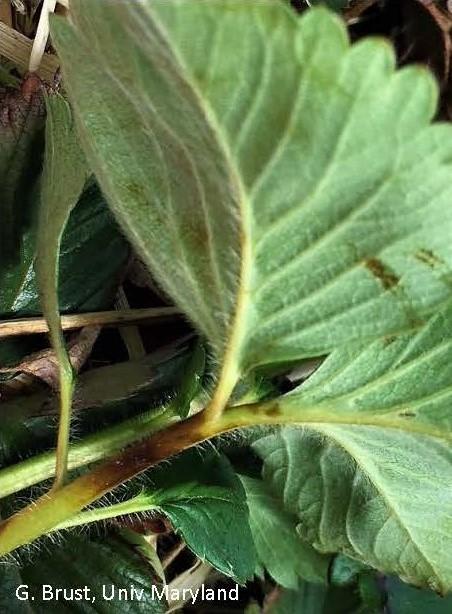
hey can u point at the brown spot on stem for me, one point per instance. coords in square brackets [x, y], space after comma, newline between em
[273, 411]
[382, 272]
[407, 414]
[138, 457]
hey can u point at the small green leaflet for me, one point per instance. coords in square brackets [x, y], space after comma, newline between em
[63, 179]
[283, 225]
[210, 512]
[281, 551]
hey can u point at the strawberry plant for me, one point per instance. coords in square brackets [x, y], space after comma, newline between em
[286, 196]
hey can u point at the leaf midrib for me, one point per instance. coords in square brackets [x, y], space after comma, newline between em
[230, 371]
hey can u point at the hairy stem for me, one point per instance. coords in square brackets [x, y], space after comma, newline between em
[140, 503]
[91, 449]
[57, 507]
[64, 424]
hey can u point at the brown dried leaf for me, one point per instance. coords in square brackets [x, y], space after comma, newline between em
[44, 366]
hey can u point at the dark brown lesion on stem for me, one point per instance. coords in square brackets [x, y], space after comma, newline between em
[273, 410]
[57, 506]
[138, 457]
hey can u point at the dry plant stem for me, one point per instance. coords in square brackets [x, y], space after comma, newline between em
[17, 48]
[173, 554]
[42, 35]
[29, 326]
[5, 12]
[129, 334]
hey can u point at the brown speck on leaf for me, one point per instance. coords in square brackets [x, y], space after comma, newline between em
[382, 272]
[389, 339]
[407, 414]
[429, 258]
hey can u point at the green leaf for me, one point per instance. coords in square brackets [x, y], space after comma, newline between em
[284, 225]
[80, 562]
[209, 509]
[380, 495]
[316, 599]
[63, 179]
[91, 238]
[21, 123]
[280, 549]
[405, 599]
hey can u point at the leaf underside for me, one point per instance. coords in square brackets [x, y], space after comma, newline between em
[284, 226]
[374, 463]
